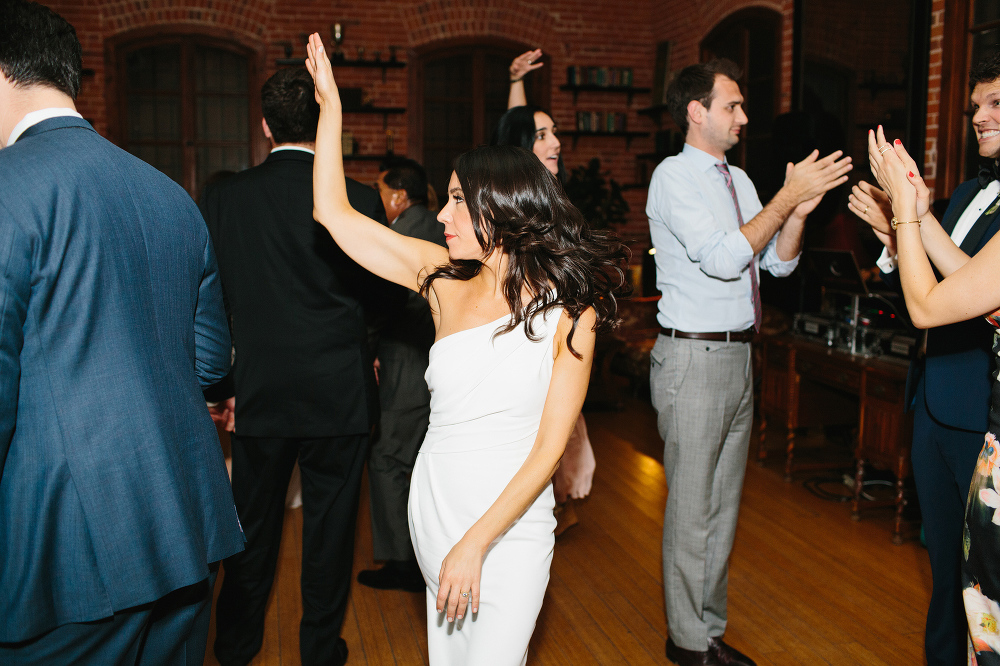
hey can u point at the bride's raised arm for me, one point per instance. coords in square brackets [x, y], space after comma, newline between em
[393, 256]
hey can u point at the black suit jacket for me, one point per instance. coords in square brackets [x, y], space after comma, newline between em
[957, 368]
[302, 366]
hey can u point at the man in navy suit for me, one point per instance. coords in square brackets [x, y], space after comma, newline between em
[949, 385]
[114, 501]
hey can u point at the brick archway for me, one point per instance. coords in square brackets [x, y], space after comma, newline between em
[244, 18]
[434, 21]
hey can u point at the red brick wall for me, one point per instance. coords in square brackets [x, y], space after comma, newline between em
[571, 32]
[934, 98]
[686, 23]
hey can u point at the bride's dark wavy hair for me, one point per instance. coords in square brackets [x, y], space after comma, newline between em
[517, 206]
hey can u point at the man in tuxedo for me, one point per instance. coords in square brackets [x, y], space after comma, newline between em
[114, 500]
[406, 403]
[949, 386]
[303, 375]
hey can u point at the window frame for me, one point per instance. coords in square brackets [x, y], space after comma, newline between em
[187, 37]
[444, 48]
[953, 122]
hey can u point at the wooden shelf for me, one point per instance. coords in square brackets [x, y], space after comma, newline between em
[628, 90]
[368, 158]
[575, 134]
[384, 65]
[386, 111]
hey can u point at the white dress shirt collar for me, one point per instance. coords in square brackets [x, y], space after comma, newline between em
[35, 117]
[701, 159]
[300, 148]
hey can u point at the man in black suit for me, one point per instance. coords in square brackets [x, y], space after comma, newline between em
[403, 349]
[304, 381]
[949, 384]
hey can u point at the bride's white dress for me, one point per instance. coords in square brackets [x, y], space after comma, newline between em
[487, 395]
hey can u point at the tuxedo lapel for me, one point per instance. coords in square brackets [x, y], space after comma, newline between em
[975, 234]
[965, 193]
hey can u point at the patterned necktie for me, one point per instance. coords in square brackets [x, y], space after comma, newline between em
[754, 284]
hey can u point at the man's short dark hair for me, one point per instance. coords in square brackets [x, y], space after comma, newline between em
[697, 82]
[288, 100]
[986, 69]
[406, 174]
[38, 47]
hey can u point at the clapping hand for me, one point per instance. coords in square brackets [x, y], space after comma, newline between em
[811, 178]
[459, 578]
[873, 206]
[897, 173]
[318, 64]
[524, 63]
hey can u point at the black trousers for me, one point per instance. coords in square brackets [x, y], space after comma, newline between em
[171, 631]
[943, 459]
[331, 481]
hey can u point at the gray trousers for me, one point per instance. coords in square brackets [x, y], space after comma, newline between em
[406, 411]
[703, 395]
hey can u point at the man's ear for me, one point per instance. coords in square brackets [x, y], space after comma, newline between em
[267, 130]
[399, 198]
[696, 112]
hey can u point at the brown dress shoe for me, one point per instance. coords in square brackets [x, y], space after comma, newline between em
[683, 657]
[727, 655]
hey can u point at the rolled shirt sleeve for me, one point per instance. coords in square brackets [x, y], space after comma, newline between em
[703, 260]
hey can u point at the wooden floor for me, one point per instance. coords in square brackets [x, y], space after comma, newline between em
[806, 586]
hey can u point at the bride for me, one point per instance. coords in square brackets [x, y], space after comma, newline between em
[517, 299]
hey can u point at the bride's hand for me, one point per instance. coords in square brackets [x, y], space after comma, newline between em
[459, 580]
[898, 174]
[318, 64]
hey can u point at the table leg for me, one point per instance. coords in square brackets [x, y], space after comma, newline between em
[761, 448]
[859, 482]
[897, 537]
[789, 453]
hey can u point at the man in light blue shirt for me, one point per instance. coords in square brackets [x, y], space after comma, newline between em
[711, 233]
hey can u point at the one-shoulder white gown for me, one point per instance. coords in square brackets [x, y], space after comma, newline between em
[487, 395]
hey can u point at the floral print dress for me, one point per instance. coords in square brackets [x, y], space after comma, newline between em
[981, 538]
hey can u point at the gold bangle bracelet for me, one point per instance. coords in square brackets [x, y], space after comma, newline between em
[895, 223]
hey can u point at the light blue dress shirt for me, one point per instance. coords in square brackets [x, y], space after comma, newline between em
[703, 261]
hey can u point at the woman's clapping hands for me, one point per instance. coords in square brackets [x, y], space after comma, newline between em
[898, 175]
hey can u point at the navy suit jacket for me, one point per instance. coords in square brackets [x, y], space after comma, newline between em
[113, 488]
[958, 365]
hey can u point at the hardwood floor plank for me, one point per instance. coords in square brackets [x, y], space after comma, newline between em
[807, 585]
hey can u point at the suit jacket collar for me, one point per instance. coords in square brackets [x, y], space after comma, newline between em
[61, 122]
[972, 239]
[964, 193]
[290, 156]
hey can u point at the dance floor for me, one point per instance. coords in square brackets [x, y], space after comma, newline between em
[806, 586]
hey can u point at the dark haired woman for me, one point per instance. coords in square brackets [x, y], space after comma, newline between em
[529, 126]
[532, 128]
[516, 298]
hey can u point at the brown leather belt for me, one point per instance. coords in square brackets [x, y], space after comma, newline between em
[728, 336]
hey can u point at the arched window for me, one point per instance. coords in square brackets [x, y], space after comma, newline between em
[460, 92]
[185, 105]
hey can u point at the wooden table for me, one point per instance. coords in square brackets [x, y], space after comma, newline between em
[805, 383]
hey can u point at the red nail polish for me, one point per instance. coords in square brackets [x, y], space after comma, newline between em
[911, 174]
[898, 142]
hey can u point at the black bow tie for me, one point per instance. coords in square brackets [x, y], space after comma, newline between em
[987, 174]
